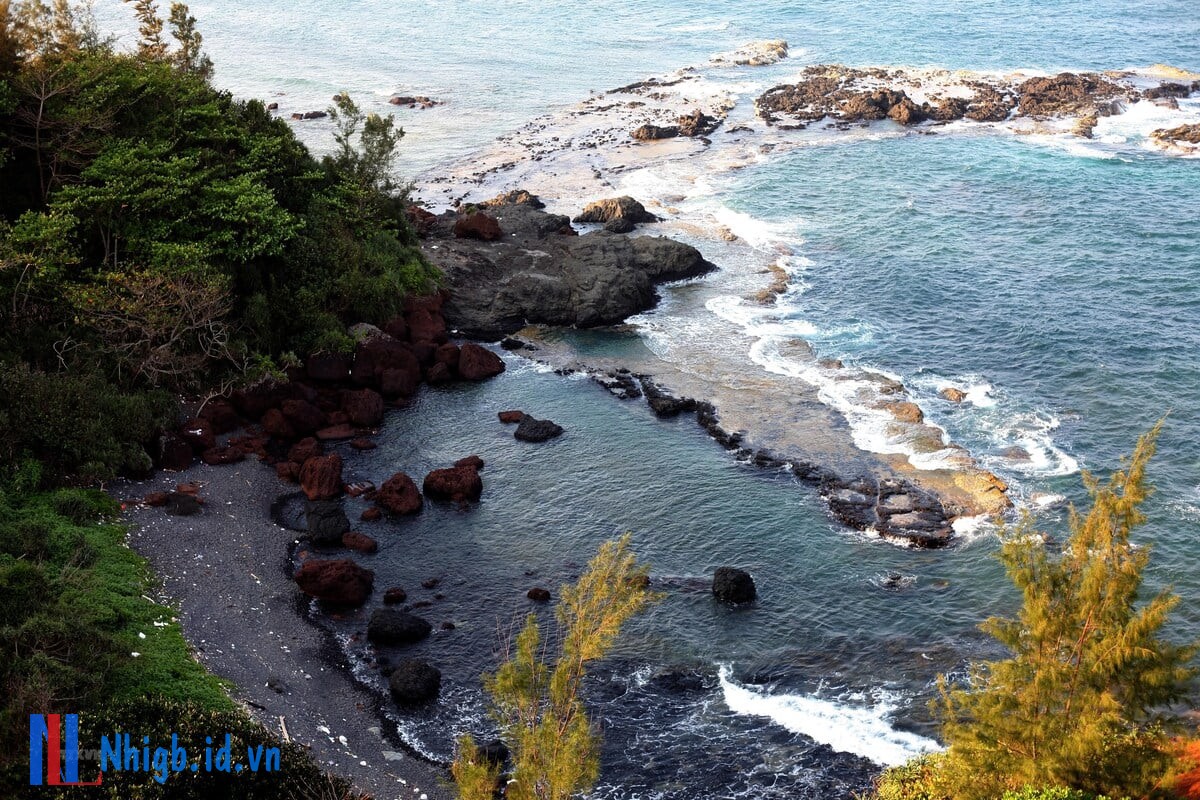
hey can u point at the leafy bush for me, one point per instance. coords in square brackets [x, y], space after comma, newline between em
[916, 779]
[77, 424]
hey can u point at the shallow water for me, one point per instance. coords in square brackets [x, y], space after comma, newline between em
[1055, 279]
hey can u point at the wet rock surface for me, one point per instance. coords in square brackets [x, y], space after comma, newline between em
[537, 274]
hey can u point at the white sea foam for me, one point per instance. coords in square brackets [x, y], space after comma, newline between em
[863, 730]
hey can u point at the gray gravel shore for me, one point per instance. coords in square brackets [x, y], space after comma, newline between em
[227, 572]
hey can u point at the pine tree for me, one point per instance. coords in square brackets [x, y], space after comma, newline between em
[555, 748]
[152, 47]
[191, 57]
[1075, 704]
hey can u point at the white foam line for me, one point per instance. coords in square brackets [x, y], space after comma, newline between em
[863, 731]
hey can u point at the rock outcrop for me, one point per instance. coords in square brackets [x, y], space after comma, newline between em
[536, 274]
[732, 585]
[340, 582]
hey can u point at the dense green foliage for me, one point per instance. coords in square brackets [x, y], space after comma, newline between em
[539, 706]
[156, 236]
[158, 233]
[1078, 707]
[73, 613]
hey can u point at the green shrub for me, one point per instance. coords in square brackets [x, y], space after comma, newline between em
[77, 425]
[1054, 793]
[915, 779]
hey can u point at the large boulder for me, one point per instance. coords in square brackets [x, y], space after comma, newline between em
[399, 495]
[222, 414]
[477, 225]
[363, 407]
[624, 207]
[732, 585]
[326, 521]
[375, 358]
[414, 682]
[340, 582]
[305, 449]
[321, 477]
[459, 484]
[536, 430]
[331, 367]
[536, 275]
[477, 363]
[304, 417]
[390, 626]
[424, 318]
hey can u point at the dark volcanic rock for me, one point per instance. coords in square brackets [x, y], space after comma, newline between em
[390, 626]
[340, 582]
[1067, 93]
[332, 367]
[399, 495]
[650, 133]
[217, 456]
[477, 363]
[326, 521]
[733, 585]
[538, 595]
[697, 124]
[321, 477]
[536, 430]
[534, 275]
[182, 504]
[619, 225]
[897, 510]
[624, 207]
[394, 596]
[516, 197]
[414, 681]
[457, 484]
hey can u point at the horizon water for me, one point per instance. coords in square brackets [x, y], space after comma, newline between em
[1056, 280]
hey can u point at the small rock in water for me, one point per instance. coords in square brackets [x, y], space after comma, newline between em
[414, 681]
[538, 594]
[537, 430]
[733, 585]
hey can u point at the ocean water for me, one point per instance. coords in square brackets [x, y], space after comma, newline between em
[1056, 280]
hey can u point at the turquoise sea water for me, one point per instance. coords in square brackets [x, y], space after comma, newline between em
[1058, 281]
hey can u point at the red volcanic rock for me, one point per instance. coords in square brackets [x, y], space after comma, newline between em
[276, 424]
[156, 499]
[400, 383]
[399, 495]
[359, 542]
[447, 354]
[333, 432]
[199, 433]
[340, 582]
[424, 352]
[370, 514]
[288, 471]
[363, 443]
[191, 487]
[305, 449]
[363, 407]
[477, 363]
[321, 477]
[511, 417]
[331, 367]
[376, 357]
[394, 595]
[221, 413]
[422, 220]
[475, 462]
[424, 318]
[303, 415]
[459, 484]
[477, 225]
[396, 328]
[437, 374]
